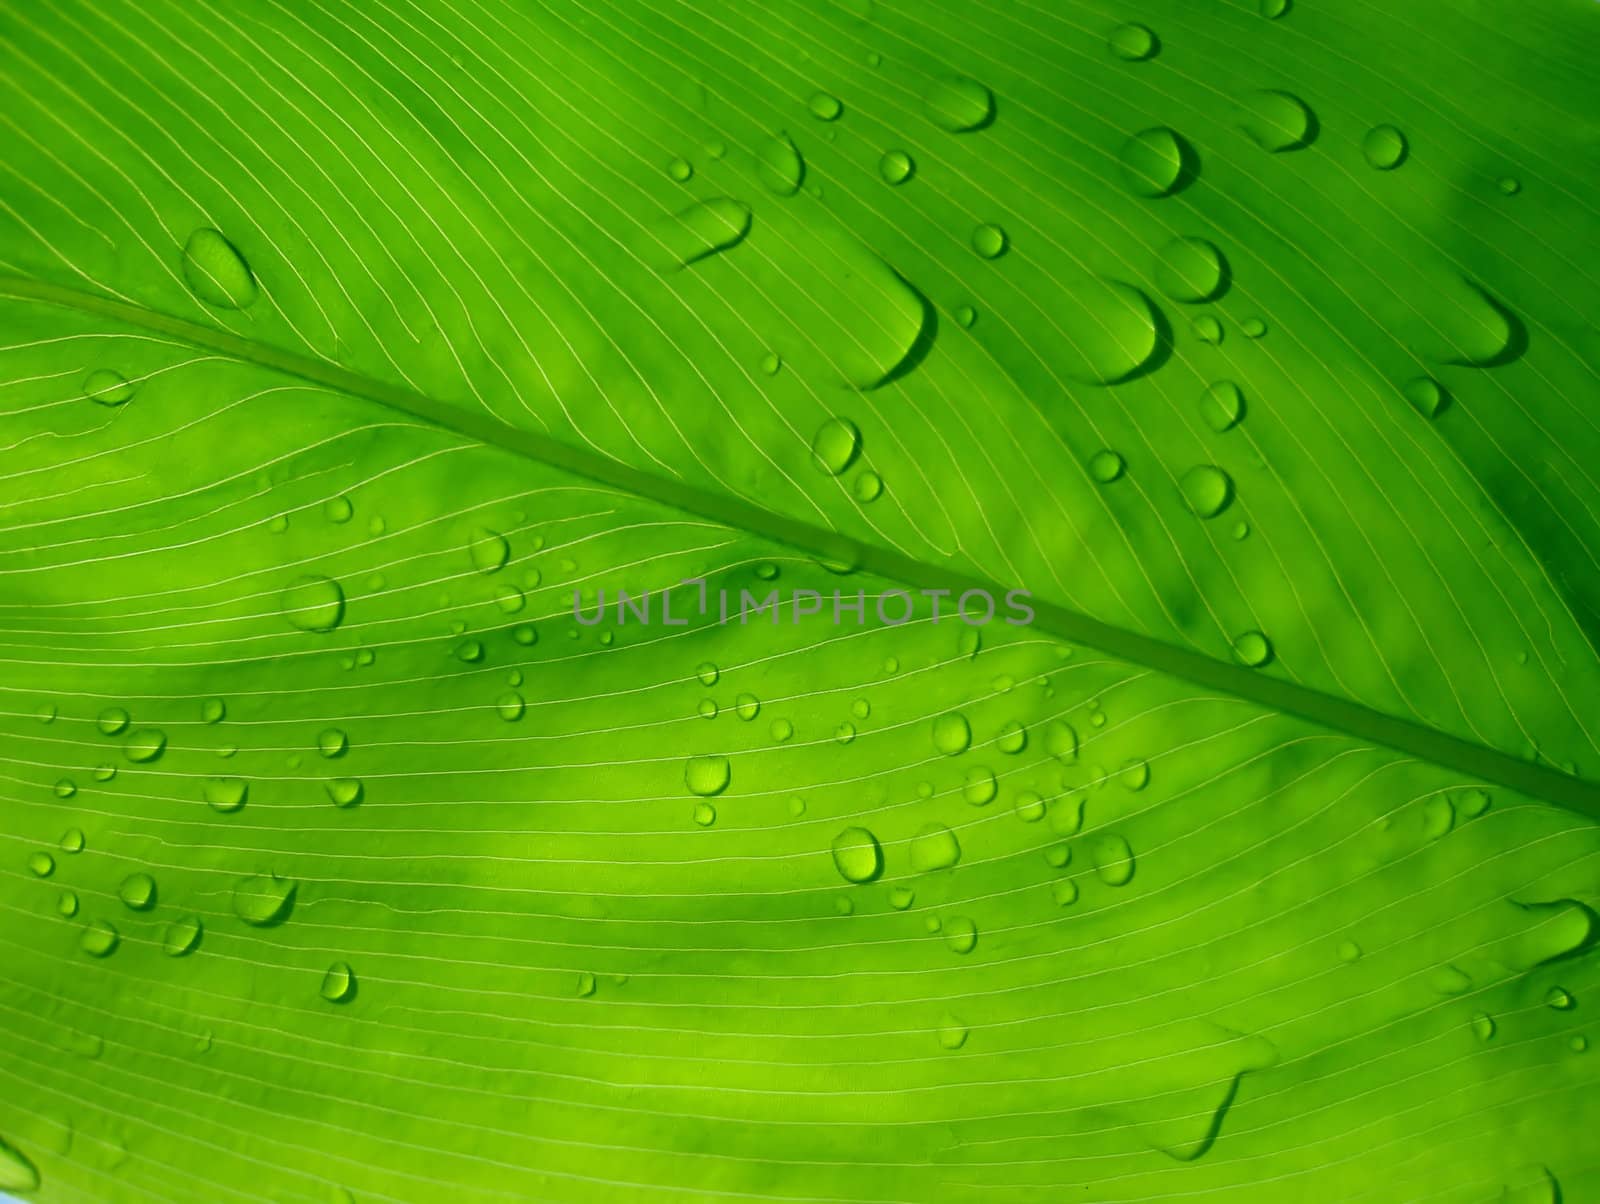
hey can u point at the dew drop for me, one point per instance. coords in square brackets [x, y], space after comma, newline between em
[213, 710]
[781, 730]
[181, 936]
[868, 486]
[1449, 980]
[1029, 806]
[41, 864]
[857, 855]
[1222, 405]
[1134, 775]
[966, 316]
[313, 603]
[1273, 9]
[107, 387]
[17, 1172]
[934, 847]
[1468, 326]
[1207, 490]
[952, 1032]
[705, 228]
[1277, 121]
[1473, 803]
[1558, 998]
[225, 794]
[1207, 329]
[1426, 396]
[66, 788]
[707, 776]
[705, 814]
[339, 983]
[144, 745]
[1133, 43]
[263, 900]
[67, 904]
[1252, 649]
[844, 733]
[951, 734]
[1191, 270]
[989, 241]
[469, 652]
[1509, 185]
[1106, 465]
[896, 167]
[585, 985]
[780, 165]
[1349, 951]
[1384, 147]
[1112, 858]
[216, 271]
[112, 721]
[957, 103]
[510, 706]
[1156, 162]
[1483, 1026]
[138, 892]
[345, 792]
[825, 106]
[99, 939]
[680, 169]
[980, 786]
[960, 934]
[1061, 741]
[1013, 738]
[1253, 328]
[707, 673]
[835, 445]
[902, 897]
[489, 550]
[72, 840]
[331, 742]
[1438, 817]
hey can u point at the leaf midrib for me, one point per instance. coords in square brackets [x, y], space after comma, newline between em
[1326, 710]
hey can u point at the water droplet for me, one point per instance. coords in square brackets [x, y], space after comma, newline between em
[707, 673]
[868, 486]
[1509, 185]
[1156, 162]
[705, 228]
[825, 106]
[969, 641]
[1061, 741]
[960, 934]
[1425, 396]
[1273, 9]
[1277, 121]
[331, 742]
[225, 794]
[1222, 405]
[1013, 738]
[42, 864]
[680, 169]
[857, 856]
[1384, 147]
[313, 603]
[1438, 817]
[1106, 465]
[952, 1032]
[469, 652]
[181, 936]
[107, 387]
[138, 892]
[707, 776]
[957, 103]
[1065, 892]
[345, 792]
[113, 721]
[1449, 980]
[835, 446]
[510, 706]
[213, 710]
[1252, 649]
[525, 634]
[1207, 329]
[1113, 859]
[216, 271]
[1483, 1026]
[1253, 328]
[934, 847]
[966, 316]
[1134, 775]
[1207, 490]
[797, 806]
[489, 550]
[263, 900]
[1191, 270]
[896, 167]
[980, 786]
[1472, 803]
[1558, 998]
[1349, 951]
[17, 1173]
[67, 904]
[780, 165]
[99, 939]
[585, 986]
[146, 744]
[339, 983]
[72, 840]
[705, 814]
[989, 241]
[844, 733]
[951, 733]
[1030, 807]
[65, 788]
[861, 708]
[1133, 43]
[781, 730]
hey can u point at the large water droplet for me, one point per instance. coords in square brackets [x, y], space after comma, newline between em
[957, 103]
[113, 721]
[704, 228]
[1277, 121]
[225, 794]
[952, 1032]
[934, 847]
[216, 271]
[1222, 405]
[99, 939]
[1252, 649]
[1191, 270]
[1384, 147]
[313, 603]
[17, 1173]
[1207, 490]
[835, 445]
[107, 387]
[1113, 859]
[960, 934]
[182, 936]
[1469, 327]
[489, 550]
[345, 792]
[857, 856]
[138, 892]
[707, 776]
[825, 106]
[144, 745]
[263, 900]
[1112, 327]
[1133, 42]
[896, 167]
[859, 308]
[339, 983]
[41, 864]
[980, 786]
[989, 241]
[1156, 162]
[780, 165]
[951, 733]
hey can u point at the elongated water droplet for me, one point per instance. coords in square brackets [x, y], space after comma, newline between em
[707, 776]
[99, 939]
[138, 892]
[263, 899]
[1133, 43]
[339, 983]
[781, 166]
[1207, 490]
[182, 936]
[144, 745]
[225, 794]
[951, 734]
[835, 445]
[1191, 270]
[1467, 326]
[1222, 405]
[857, 855]
[313, 603]
[957, 103]
[1277, 121]
[934, 847]
[1156, 162]
[1384, 147]
[1113, 859]
[704, 228]
[216, 271]
[896, 167]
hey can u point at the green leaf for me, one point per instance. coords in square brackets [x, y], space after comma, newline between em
[1240, 356]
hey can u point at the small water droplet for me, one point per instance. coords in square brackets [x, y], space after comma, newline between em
[345, 792]
[1509, 185]
[1029, 806]
[1191, 270]
[1277, 121]
[113, 721]
[707, 673]
[960, 934]
[1156, 162]
[182, 936]
[72, 840]
[857, 855]
[1222, 406]
[1438, 817]
[66, 788]
[1273, 9]
[1134, 775]
[781, 730]
[339, 983]
[225, 794]
[680, 169]
[771, 363]
[861, 708]
[263, 899]
[216, 271]
[980, 786]
[469, 652]
[825, 106]
[1065, 892]
[1252, 649]
[1473, 803]
[107, 387]
[144, 745]
[1449, 980]
[99, 939]
[844, 733]
[138, 892]
[896, 167]
[489, 550]
[835, 445]
[1207, 329]
[331, 742]
[510, 706]
[951, 734]
[1426, 396]
[1384, 147]
[1253, 328]
[780, 165]
[1207, 490]
[585, 985]
[934, 847]
[1558, 998]
[1349, 951]
[41, 864]
[1133, 43]
[1106, 465]
[707, 776]
[952, 1032]
[1113, 859]
[705, 814]
[957, 103]
[966, 316]
[1013, 738]
[902, 897]
[989, 241]
[868, 486]
[213, 710]
[313, 603]
[67, 904]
